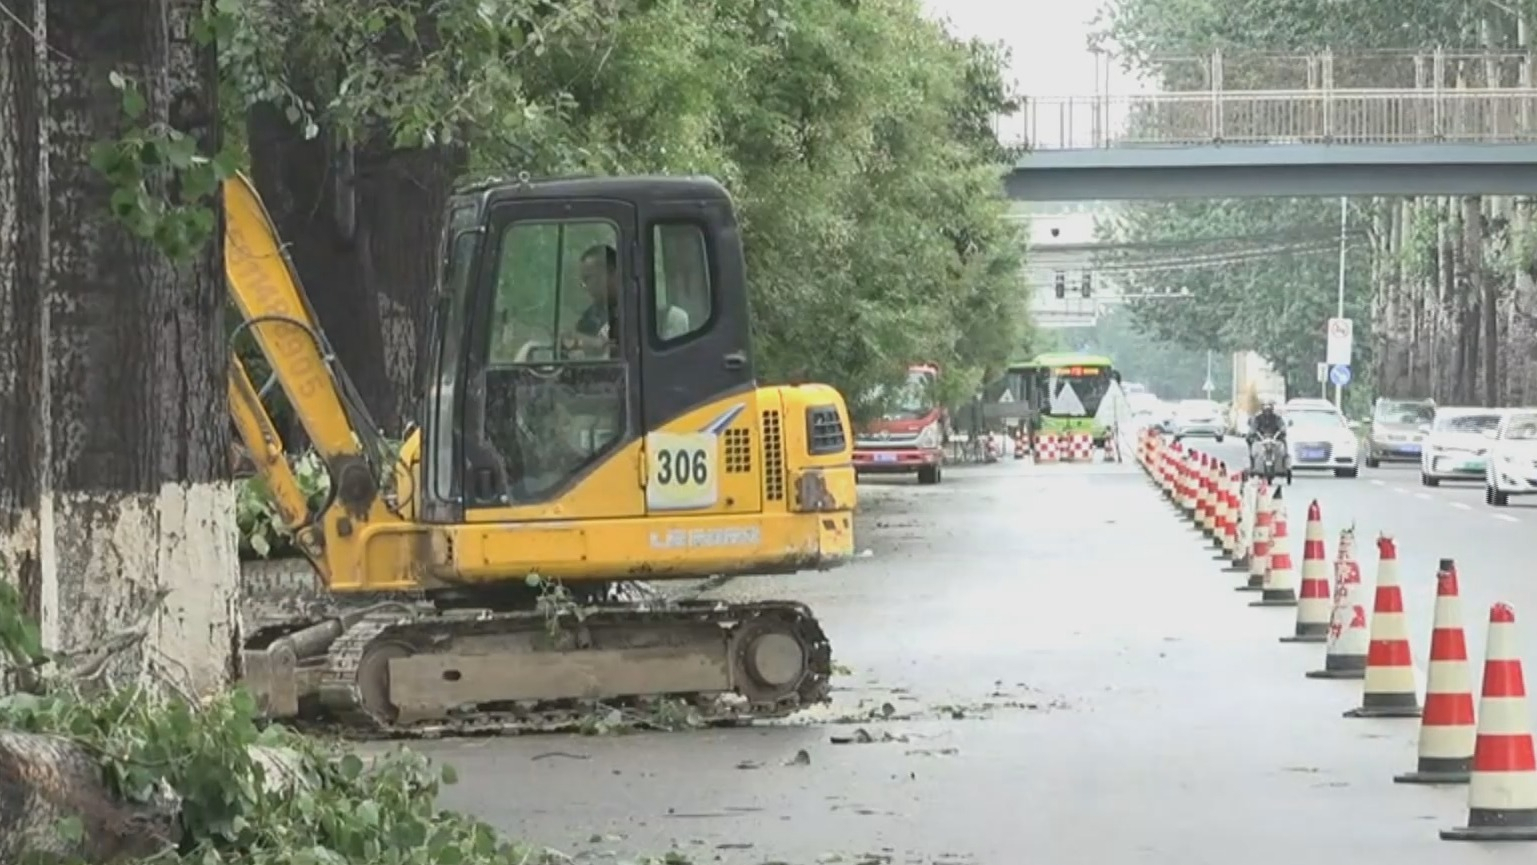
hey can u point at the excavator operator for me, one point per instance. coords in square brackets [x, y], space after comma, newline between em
[597, 331]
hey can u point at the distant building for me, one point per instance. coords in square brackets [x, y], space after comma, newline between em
[1065, 290]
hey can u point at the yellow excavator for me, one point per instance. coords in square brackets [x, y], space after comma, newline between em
[589, 418]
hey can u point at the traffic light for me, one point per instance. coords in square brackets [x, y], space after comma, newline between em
[1060, 280]
[1087, 288]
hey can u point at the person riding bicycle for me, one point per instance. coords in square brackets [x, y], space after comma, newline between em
[1266, 423]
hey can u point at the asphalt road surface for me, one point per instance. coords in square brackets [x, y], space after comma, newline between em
[1068, 676]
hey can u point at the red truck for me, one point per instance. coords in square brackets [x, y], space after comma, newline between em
[909, 438]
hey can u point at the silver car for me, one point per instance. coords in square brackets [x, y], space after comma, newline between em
[1199, 418]
[1396, 434]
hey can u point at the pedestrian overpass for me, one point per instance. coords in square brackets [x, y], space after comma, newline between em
[1312, 141]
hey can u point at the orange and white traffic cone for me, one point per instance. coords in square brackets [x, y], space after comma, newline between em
[1259, 551]
[1349, 639]
[1315, 602]
[1222, 513]
[1203, 493]
[1020, 446]
[1280, 586]
[1447, 734]
[1238, 551]
[1389, 690]
[1191, 470]
[1502, 794]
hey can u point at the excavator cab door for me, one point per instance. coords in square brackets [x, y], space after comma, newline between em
[550, 361]
[697, 382]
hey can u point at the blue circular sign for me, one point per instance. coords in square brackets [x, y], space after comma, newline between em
[1339, 374]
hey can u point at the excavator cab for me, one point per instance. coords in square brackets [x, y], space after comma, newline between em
[576, 315]
[591, 361]
[589, 416]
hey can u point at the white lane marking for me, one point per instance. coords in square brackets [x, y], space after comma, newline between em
[1400, 490]
[1506, 517]
[1422, 496]
[1379, 483]
[1461, 506]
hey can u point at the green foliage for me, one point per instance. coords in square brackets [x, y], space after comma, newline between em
[162, 185]
[244, 792]
[856, 139]
[262, 533]
[1276, 304]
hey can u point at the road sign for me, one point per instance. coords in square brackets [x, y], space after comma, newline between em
[1339, 374]
[1209, 386]
[1341, 334]
[1323, 372]
[1008, 396]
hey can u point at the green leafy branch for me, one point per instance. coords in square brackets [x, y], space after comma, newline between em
[162, 187]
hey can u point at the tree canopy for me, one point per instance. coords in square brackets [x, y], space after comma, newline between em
[856, 138]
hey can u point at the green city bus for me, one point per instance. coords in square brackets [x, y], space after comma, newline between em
[1064, 390]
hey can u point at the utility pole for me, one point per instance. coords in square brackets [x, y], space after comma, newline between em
[1339, 298]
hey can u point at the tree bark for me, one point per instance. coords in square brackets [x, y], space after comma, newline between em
[362, 227]
[45, 779]
[139, 429]
[23, 245]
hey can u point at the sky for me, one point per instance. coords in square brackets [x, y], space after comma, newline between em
[1049, 39]
[1051, 61]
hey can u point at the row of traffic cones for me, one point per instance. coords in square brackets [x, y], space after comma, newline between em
[1492, 750]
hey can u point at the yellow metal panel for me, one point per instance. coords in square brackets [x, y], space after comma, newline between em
[735, 464]
[657, 547]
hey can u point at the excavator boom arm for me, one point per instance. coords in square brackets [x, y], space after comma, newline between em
[266, 291]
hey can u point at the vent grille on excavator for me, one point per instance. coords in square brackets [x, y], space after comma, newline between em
[738, 444]
[773, 457]
[824, 430]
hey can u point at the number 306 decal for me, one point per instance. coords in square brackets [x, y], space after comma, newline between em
[682, 466]
[682, 471]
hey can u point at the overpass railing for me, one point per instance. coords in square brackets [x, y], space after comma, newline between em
[1306, 116]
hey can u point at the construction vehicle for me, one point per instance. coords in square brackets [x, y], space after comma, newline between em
[589, 417]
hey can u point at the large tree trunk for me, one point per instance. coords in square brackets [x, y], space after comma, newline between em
[362, 227]
[138, 424]
[23, 244]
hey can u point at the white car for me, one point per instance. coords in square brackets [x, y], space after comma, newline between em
[1320, 439]
[1303, 403]
[1512, 465]
[1455, 447]
[1199, 417]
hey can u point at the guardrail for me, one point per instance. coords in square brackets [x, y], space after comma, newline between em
[1474, 116]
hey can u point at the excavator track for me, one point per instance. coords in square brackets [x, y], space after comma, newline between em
[757, 660]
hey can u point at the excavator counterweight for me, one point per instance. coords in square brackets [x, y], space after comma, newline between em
[590, 419]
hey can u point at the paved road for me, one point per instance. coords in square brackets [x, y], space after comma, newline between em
[1071, 679]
